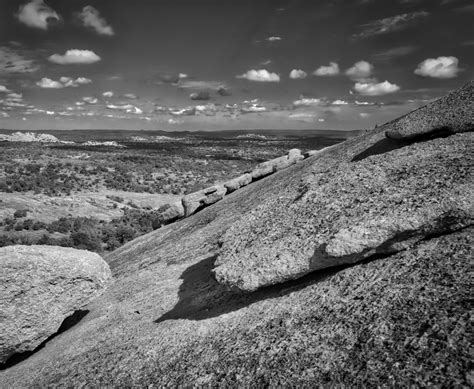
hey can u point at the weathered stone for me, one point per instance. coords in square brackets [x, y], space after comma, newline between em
[41, 286]
[194, 201]
[451, 114]
[238, 182]
[379, 205]
[175, 211]
[215, 195]
[262, 170]
[294, 155]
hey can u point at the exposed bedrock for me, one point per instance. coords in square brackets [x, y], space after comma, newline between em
[40, 286]
[382, 204]
[451, 114]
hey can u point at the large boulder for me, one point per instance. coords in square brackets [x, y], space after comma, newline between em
[41, 286]
[382, 204]
[451, 114]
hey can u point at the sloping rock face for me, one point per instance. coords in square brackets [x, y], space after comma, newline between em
[452, 114]
[41, 286]
[351, 212]
[397, 319]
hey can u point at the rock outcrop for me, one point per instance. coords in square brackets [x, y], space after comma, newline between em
[40, 287]
[197, 200]
[351, 212]
[452, 114]
[397, 319]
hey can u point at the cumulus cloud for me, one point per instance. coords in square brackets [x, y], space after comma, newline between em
[47, 83]
[390, 24]
[339, 102]
[108, 94]
[4, 89]
[375, 89]
[261, 75]
[90, 18]
[131, 96]
[361, 70]
[273, 38]
[128, 108]
[305, 101]
[36, 14]
[75, 56]
[64, 82]
[325, 71]
[296, 74]
[441, 67]
[90, 100]
[70, 82]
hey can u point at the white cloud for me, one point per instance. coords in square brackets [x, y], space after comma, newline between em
[64, 82]
[298, 74]
[261, 75]
[441, 67]
[324, 71]
[90, 18]
[339, 102]
[15, 96]
[75, 56]
[4, 89]
[108, 94]
[364, 115]
[37, 14]
[47, 83]
[90, 100]
[70, 82]
[361, 70]
[375, 89]
[273, 38]
[83, 80]
[308, 102]
[182, 75]
[130, 96]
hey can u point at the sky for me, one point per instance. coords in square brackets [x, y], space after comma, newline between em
[228, 64]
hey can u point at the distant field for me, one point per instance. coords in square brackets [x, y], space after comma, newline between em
[97, 189]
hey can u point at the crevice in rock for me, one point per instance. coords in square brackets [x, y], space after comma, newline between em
[389, 144]
[202, 297]
[67, 323]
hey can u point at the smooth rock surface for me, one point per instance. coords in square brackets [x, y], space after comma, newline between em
[40, 286]
[382, 204]
[451, 114]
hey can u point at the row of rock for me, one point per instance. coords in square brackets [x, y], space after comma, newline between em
[194, 202]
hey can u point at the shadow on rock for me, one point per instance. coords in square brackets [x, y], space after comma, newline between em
[202, 297]
[68, 323]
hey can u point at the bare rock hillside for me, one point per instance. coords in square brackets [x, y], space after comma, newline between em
[350, 268]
